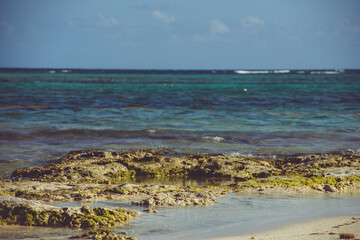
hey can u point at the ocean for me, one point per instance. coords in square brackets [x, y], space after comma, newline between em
[45, 113]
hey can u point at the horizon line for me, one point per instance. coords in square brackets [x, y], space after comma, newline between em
[181, 69]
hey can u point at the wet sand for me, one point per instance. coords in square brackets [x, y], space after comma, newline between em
[319, 229]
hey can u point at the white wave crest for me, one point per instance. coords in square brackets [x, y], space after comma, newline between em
[238, 154]
[282, 71]
[335, 71]
[251, 72]
[324, 72]
[214, 138]
[250, 155]
[352, 151]
[261, 71]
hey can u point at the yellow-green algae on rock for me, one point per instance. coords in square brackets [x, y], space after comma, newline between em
[92, 175]
[96, 175]
[17, 211]
[102, 234]
[300, 184]
[86, 193]
[95, 166]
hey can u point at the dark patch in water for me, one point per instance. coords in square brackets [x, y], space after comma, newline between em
[13, 136]
[25, 107]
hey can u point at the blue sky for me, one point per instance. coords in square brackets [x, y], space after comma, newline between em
[196, 34]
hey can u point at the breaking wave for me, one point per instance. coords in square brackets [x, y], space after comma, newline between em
[215, 138]
[285, 71]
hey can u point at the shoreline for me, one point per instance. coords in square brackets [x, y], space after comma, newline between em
[323, 228]
[88, 176]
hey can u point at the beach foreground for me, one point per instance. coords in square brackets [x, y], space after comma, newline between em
[90, 176]
[319, 229]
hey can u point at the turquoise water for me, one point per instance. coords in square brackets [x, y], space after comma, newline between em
[43, 115]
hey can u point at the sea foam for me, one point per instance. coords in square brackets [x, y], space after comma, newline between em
[215, 138]
[262, 71]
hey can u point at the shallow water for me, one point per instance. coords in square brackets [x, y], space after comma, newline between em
[239, 215]
[234, 215]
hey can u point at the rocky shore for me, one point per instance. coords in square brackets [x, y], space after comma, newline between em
[95, 175]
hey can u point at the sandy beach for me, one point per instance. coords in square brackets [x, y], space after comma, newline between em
[319, 229]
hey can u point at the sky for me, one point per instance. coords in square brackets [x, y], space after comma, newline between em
[186, 34]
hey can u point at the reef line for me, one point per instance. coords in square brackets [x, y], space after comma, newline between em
[94, 175]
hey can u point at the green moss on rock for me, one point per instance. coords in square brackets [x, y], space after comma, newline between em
[119, 176]
[86, 218]
[102, 234]
[319, 183]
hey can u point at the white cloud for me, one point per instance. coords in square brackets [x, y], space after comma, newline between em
[252, 22]
[163, 17]
[199, 38]
[106, 22]
[113, 21]
[351, 27]
[218, 27]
